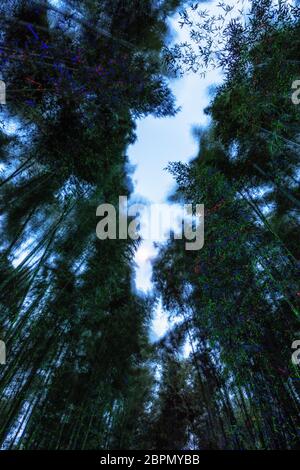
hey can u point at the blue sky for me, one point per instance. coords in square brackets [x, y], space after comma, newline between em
[161, 141]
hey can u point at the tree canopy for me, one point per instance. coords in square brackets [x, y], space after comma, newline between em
[81, 371]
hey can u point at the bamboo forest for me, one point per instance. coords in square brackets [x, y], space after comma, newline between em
[80, 366]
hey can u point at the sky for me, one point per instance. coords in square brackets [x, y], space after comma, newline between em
[164, 140]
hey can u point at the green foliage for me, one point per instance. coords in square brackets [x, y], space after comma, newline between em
[238, 298]
[81, 373]
[78, 76]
